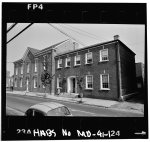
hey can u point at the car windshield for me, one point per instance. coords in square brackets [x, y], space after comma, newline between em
[61, 111]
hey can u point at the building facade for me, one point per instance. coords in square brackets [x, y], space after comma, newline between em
[28, 70]
[105, 71]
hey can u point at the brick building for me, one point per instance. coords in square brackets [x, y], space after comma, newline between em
[28, 70]
[107, 71]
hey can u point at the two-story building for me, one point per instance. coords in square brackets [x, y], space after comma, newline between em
[28, 70]
[107, 71]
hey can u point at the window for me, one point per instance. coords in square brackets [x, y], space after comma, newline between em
[104, 79]
[16, 71]
[68, 62]
[77, 60]
[59, 83]
[28, 67]
[103, 55]
[20, 82]
[35, 82]
[89, 82]
[36, 62]
[44, 62]
[15, 82]
[22, 69]
[59, 63]
[89, 58]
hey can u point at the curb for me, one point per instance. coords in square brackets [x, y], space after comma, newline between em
[77, 102]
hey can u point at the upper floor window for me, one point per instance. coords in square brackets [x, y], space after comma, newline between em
[59, 65]
[88, 58]
[36, 64]
[15, 83]
[22, 69]
[68, 62]
[77, 60]
[103, 55]
[28, 67]
[35, 82]
[16, 71]
[104, 79]
[89, 82]
[44, 62]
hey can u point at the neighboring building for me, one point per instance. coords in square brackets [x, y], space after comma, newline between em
[28, 70]
[8, 79]
[107, 70]
[140, 76]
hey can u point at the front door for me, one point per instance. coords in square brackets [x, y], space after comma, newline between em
[71, 85]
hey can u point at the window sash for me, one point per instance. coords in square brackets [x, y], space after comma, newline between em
[35, 82]
[104, 81]
[60, 63]
[77, 60]
[36, 61]
[89, 82]
[104, 55]
[68, 62]
[89, 58]
[28, 67]
[21, 82]
[21, 69]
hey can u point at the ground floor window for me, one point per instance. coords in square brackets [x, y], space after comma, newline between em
[89, 82]
[35, 82]
[59, 83]
[20, 82]
[104, 79]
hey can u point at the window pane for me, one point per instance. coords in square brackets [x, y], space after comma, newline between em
[89, 55]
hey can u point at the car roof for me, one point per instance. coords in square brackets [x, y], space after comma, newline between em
[46, 106]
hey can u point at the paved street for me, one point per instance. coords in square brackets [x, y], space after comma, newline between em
[22, 103]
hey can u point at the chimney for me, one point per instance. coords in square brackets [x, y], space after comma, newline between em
[116, 37]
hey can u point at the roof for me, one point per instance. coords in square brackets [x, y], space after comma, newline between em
[33, 50]
[46, 106]
[94, 45]
[49, 48]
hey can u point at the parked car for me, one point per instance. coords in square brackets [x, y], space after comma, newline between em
[48, 109]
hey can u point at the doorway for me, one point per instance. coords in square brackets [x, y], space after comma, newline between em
[71, 85]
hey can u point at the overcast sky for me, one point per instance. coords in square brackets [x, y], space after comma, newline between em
[42, 35]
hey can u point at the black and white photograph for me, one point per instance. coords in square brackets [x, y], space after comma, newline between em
[73, 73]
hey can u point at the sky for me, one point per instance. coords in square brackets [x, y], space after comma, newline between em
[42, 35]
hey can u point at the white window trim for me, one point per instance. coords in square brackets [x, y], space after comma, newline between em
[34, 81]
[86, 58]
[86, 84]
[36, 65]
[58, 63]
[100, 55]
[67, 61]
[75, 60]
[101, 86]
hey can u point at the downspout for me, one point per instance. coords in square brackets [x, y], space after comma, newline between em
[120, 97]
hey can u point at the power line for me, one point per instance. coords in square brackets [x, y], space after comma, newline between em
[20, 32]
[78, 32]
[11, 27]
[66, 34]
[84, 32]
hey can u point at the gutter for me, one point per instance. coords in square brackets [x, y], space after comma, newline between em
[120, 97]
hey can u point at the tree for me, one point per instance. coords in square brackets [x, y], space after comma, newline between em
[80, 82]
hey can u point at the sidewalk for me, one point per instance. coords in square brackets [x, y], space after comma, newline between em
[124, 106]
